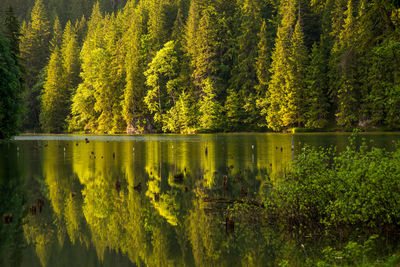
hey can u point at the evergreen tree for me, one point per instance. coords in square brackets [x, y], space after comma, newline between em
[10, 92]
[278, 87]
[344, 83]
[70, 56]
[182, 117]
[249, 22]
[262, 62]
[293, 108]
[234, 111]
[34, 49]
[110, 79]
[54, 99]
[316, 115]
[161, 77]
[83, 114]
[383, 78]
[81, 30]
[12, 33]
[209, 108]
[57, 35]
[207, 42]
[134, 109]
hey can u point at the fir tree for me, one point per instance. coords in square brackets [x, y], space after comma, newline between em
[83, 114]
[12, 33]
[234, 111]
[278, 87]
[209, 108]
[54, 99]
[293, 108]
[263, 62]
[133, 107]
[344, 57]
[316, 115]
[57, 35]
[34, 49]
[10, 91]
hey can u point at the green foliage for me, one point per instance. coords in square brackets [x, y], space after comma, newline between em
[182, 118]
[34, 49]
[336, 193]
[53, 110]
[353, 254]
[10, 92]
[316, 107]
[272, 64]
[210, 110]
[161, 77]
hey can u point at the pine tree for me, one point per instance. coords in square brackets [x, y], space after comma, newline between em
[81, 30]
[316, 115]
[111, 78]
[234, 111]
[70, 56]
[10, 91]
[344, 66]
[293, 108]
[83, 114]
[262, 65]
[57, 35]
[278, 87]
[263, 61]
[54, 98]
[249, 22]
[207, 42]
[209, 108]
[34, 49]
[134, 109]
[182, 117]
[12, 33]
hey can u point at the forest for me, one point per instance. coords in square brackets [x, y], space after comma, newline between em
[190, 66]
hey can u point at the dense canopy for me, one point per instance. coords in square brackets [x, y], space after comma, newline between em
[186, 66]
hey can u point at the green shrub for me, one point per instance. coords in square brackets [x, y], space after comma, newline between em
[333, 192]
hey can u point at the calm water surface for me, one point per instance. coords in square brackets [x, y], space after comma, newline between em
[155, 200]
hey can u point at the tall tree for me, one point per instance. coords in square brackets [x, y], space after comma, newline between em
[316, 109]
[70, 58]
[344, 67]
[34, 49]
[133, 107]
[10, 91]
[83, 114]
[209, 108]
[293, 108]
[54, 98]
[12, 33]
[161, 77]
[57, 35]
[278, 87]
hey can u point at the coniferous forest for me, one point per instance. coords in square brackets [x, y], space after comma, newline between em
[187, 66]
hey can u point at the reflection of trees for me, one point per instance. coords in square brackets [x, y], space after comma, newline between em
[12, 201]
[163, 222]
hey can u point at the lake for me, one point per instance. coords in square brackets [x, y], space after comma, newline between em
[155, 200]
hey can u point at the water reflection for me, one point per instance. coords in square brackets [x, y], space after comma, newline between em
[155, 200]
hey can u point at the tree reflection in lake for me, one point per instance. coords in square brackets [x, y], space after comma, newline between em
[155, 202]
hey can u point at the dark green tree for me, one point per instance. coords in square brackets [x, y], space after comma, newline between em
[316, 110]
[10, 92]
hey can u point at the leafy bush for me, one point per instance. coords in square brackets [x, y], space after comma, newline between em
[333, 192]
